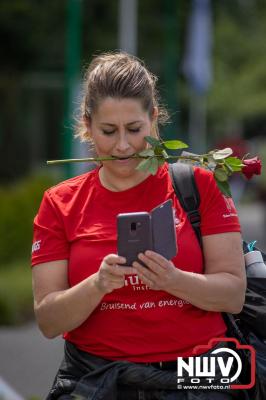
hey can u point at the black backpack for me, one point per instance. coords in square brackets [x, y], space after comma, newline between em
[249, 327]
[253, 315]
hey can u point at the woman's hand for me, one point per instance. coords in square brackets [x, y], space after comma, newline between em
[159, 273]
[111, 275]
[221, 288]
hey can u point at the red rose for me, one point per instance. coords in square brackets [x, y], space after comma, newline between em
[252, 167]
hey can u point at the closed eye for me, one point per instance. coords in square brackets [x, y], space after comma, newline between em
[108, 132]
[134, 130]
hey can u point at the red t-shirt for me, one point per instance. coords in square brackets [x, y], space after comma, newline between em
[77, 221]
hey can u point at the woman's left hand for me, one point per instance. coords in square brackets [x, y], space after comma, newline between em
[159, 273]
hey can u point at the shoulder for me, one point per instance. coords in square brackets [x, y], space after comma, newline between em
[203, 175]
[65, 190]
[206, 183]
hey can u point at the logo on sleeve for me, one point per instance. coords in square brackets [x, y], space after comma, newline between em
[36, 246]
[231, 211]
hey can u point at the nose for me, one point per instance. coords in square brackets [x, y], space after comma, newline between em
[122, 144]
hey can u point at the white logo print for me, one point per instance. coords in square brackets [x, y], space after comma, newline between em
[230, 207]
[36, 246]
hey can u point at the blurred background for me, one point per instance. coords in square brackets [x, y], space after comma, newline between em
[211, 62]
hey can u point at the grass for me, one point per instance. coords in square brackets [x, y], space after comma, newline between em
[16, 300]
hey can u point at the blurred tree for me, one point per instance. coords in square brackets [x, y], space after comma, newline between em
[32, 67]
[32, 34]
[100, 27]
[32, 39]
[239, 57]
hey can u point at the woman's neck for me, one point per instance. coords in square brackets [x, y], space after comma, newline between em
[117, 184]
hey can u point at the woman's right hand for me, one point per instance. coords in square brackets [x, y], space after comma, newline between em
[111, 274]
[60, 308]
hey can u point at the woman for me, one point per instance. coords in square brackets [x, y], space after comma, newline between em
[124, 326]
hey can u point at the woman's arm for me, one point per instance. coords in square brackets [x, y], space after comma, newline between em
[221, 287]
[60, 308]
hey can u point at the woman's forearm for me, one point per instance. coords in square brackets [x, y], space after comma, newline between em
[221, 292]
[65, 310]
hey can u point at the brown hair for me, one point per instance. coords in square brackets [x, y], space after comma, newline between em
[118, 75]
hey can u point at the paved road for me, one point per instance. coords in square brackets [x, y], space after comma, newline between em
[29, 362]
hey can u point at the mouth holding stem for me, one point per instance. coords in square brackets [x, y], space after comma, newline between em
[124, 158]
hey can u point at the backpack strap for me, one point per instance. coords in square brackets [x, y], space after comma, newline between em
[183, 181]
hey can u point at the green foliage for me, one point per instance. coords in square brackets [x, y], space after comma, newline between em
[18, 205]
[239, 62]
[33, 33]
[16, 301]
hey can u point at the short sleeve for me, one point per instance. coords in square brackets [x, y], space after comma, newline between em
[218, 212]
[49, 238]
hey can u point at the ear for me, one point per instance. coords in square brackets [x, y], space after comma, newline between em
[154, 120]
[155, 114]
[87, 122]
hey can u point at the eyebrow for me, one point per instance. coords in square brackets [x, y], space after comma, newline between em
[129, 123]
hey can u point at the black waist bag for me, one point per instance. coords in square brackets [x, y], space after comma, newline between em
[253, 314]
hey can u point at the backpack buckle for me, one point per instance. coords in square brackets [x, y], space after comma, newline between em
[194, 218]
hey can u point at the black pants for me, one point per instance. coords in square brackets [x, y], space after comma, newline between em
[85, 376]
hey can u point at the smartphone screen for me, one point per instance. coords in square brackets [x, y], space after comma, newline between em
[134, 235]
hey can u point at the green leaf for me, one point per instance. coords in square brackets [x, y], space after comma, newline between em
[153, 141]
[220, 175]
[158, 150]
[234, 163]
[165, 155]
[234, 168]
[229, 169]
[154, 164]
[150, 164]
[175, 144]
[144, 165]
[221, 154]
[147, 153]
[224, 188]
[161, 161]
